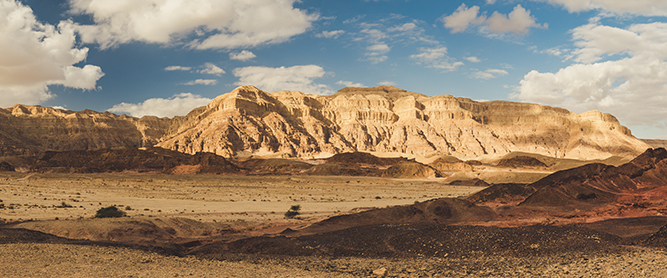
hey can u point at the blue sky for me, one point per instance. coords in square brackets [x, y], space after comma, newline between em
[165, 57]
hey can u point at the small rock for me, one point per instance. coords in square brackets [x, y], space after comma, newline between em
[380, 272]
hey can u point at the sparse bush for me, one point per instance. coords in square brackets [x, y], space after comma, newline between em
[293, 211]
[109, 212]
[64, 205]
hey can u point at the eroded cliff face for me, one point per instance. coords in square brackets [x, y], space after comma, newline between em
[390, 120]
[31, 130]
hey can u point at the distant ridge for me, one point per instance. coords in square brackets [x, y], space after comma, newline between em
[384, 120]
[394, 122]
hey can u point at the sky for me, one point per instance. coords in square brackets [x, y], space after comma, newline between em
[166, 57]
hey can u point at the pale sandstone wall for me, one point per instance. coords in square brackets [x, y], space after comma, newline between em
[386, 119]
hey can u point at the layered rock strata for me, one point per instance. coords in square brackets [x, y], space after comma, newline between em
[248, 121]
[32, 130]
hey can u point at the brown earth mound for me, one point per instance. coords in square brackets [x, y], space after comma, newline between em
[274, 166]
[442, 211]
[450, 164]
[363, 158]
[135, 230]
[424, 240]
[658, 239]
[410, 169]
[365, 164]
[139, 160]
[471, 182]
[596, 184]
[521, 162]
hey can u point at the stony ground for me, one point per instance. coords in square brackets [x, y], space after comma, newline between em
[62, 260]
[206, 197]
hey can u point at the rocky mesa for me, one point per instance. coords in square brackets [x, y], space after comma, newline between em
[386, 121]
[394, 122]
[33, 130]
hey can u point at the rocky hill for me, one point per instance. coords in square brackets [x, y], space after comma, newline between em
[381, 120]
[32, 130]
[395, 122]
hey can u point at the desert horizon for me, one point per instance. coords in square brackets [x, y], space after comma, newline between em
[263, 138]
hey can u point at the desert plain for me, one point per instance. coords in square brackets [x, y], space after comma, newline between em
[210, 208]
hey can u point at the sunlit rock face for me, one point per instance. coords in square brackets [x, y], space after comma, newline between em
[248, 121]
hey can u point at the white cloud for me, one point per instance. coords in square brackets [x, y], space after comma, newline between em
[210, 68]
[595, 40]
[207, 82]
[244, 55]
[462, 18]
[407, 27]
[436, 58]
[633, 88]
[330, 34]
[490, 2]
[296, 78]
[175, 68]
[177, 105]
[472, 59]
[34, 55]
[387, 83]
[349, 84]
[214, 24]
[489, 74]
[637, 7]
[518, 22]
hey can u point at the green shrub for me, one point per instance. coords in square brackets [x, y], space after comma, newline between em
[109, 212]
[293, 211]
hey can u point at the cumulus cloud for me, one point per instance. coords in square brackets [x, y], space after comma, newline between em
[244, 55]
[296, 78]
[35, 55]
[436, 58]
[210, 68]
[489, 74]
[462, 18]
[641, 7]
[595, 41]
[517, 22]
[349, 84]
[633, 87]
[177, 105]
[207, 82]
[210, 24]
[330, 34]
[473, 59]
[177, 68]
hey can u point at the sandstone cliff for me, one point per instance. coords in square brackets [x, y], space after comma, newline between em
[32, 130]
[394, 121]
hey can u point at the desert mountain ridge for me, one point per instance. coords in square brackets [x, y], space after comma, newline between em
[383, 120]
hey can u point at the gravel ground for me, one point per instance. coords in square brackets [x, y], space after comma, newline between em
[63, 260]
[60, 260]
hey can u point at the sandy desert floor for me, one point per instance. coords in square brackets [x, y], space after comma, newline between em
[206, 197]
[257, 200]
[59, 260]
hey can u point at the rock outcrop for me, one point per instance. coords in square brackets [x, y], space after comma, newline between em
[395, 122]
[32, 130]
[382, 120]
